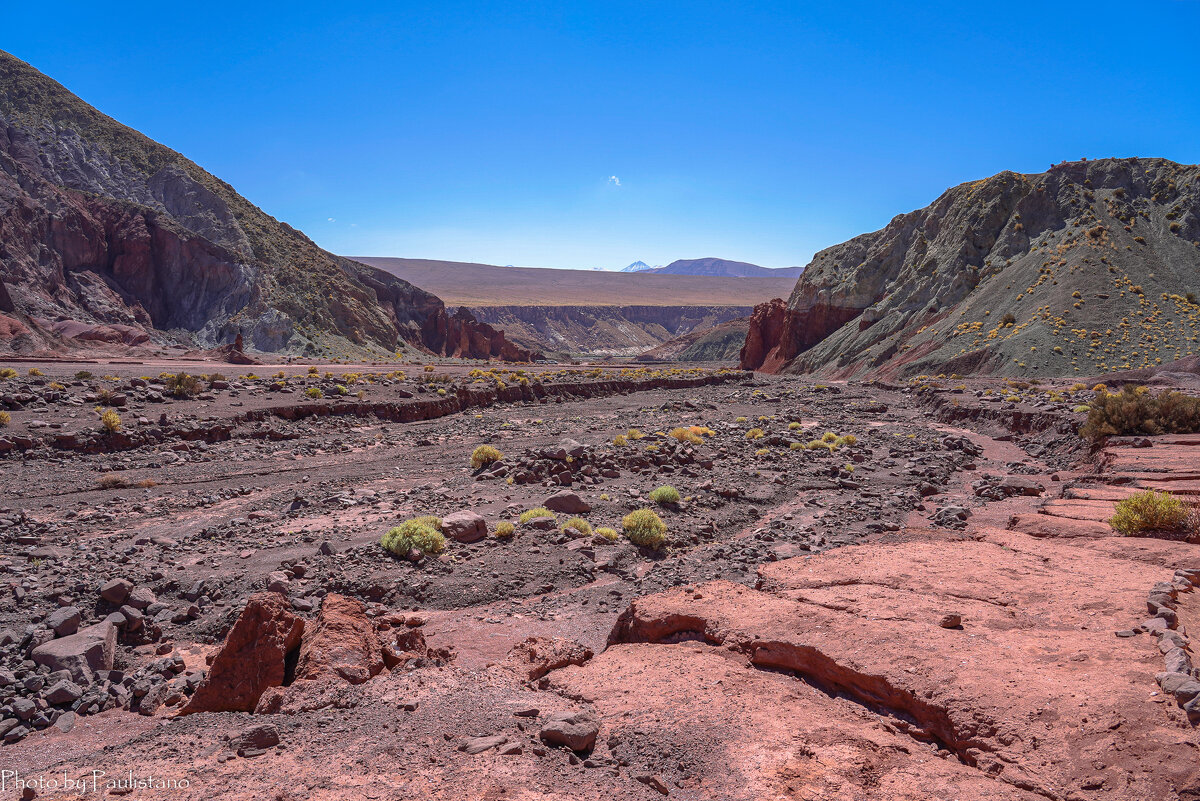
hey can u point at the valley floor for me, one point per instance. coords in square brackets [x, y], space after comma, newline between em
[912, 611]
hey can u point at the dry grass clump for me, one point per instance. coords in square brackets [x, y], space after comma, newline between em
[755, 433]
[645, 528]
[1153, 511]
[7, 373]
[182, 385]
[620, 440]
[111, 481]
[485, 455]
[665, 495]
[609, 534]
[422, 533]
[110, 421]
[634, 434]
[504, 530]
[579, 524]
[535, 513]
[5, 419]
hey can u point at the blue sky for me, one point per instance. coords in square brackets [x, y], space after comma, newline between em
[492, 132]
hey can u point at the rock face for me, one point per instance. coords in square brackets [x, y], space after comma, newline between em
[341, 643]
[1014, 274]
[110, 238]
[252, 659]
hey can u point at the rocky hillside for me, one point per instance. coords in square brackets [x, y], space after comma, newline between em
[604, 330]
[1090, 267]
[109, 237]
[721, 343]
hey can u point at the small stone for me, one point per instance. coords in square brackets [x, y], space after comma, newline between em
[950, 621]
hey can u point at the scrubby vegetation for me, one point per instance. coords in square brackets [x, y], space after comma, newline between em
[110, 421]
[485, 455]
[665, 495]
[182, 385]
[5, 419]
[422, 533]
[609, 534]
[535, 513]
[755, 433]
[7, 372]
[644, 527]
[504, 530]
[1136, 410]
[579, 524]
[111, 481]
[313, 393]
[1151, 511]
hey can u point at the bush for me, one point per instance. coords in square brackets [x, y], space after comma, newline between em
[755, 433]
[5, 419]
[485, 455]
[313, 392]
[35, 371]
[579, 524]
[609, 534]
[620, 440]
[794, 426]
[7, 372]
[1008, 319]
[1135, 410]
[685, 435]
[535, 513]
[183, 385]
[633, 433]
[422, 533]
[83, 375]
[110, 421]
[645, 528]
[665, 495]
[1149, 511]
[504, 530]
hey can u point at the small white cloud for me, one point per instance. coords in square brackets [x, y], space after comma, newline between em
[614, 180]
[332, 220]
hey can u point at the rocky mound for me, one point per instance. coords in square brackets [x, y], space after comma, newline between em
[111, 238]
[1090, 267]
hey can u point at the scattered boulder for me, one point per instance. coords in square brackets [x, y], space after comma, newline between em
[567, 502]
[464, 526]
[64, 621]
[342, 643]
[116, 590]
[575, 730]
[82, 653]
[252, 658]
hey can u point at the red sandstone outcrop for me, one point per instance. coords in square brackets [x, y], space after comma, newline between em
[341, 643]
[252, 658]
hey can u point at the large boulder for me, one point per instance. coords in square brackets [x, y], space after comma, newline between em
[464, 526]
[252, 658]
[575, 730]
[567, 502]
[341, 643]
[88, 650]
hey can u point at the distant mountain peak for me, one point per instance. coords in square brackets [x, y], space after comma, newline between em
[636, 267]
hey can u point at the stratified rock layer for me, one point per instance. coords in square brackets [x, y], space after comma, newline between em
[1014, 274]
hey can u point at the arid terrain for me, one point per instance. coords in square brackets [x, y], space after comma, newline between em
[887, 591]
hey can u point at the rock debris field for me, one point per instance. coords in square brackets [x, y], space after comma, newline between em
[884, 591]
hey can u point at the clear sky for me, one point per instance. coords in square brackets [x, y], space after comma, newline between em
[595, 134]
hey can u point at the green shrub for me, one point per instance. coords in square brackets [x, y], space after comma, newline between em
[1136, 410]
[183, 385]
[1150, 510]
[755, 433]
[535, 513]
[579, 524]
[313, 393]
[7, 372]
[110, 421]
[504, 530]
[609, 534]
[422, 533]
[5, 419]
[485, 455]
[645, 528]
[665, 495]
[83, 375]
